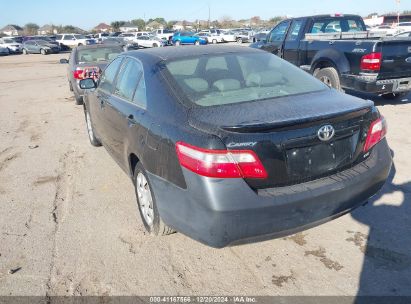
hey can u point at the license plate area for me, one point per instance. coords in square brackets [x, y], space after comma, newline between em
[320, 158]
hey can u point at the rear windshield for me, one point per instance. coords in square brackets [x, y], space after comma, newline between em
[97, 54]
[234, 78]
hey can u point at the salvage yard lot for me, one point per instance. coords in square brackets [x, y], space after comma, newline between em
[69, 223]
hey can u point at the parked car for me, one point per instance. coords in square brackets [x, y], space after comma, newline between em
[180, 38]
[404, 27]
[48, 39]
[4, 51]
[229, 36]
[101, 36]
[73, 40]
[164, 34]
[403, 35]
[236, 144]
[212, 36]
[11, 45]
[243, 36]
[39, 47]
[88, 61]
[115, 34]
[386, 30]
[260, 36]
[150, 41]
[349, 59]
[125, 44]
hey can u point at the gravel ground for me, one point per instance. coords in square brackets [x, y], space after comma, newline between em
[69, 223]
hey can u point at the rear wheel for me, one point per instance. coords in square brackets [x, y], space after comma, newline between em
[90, 131]
[329, 76]
[79, 99]
[43, 52]
[394, 96]
[71, 86]
[239, 40]
[80, 44]
[178, 43]
[197, 43]
[155, 45]
[25, 52]
[214, 41]
[147, 204]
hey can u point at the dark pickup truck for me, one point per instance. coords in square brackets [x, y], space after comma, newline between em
[339, 51]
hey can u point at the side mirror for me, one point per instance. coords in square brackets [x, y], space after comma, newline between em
[64, 61]
[87, 84]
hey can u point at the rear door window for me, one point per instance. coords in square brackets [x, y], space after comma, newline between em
[109, 74]
[294, 30]
[128, 78]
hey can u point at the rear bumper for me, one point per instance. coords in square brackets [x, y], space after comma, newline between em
[370, 85]
[219, 212]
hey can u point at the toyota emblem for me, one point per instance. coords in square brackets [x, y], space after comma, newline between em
[325, 133]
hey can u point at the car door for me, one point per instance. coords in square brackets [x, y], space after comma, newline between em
[68, 40]
[121, 113]
[276, 38]
[97, 101]
[292, 42]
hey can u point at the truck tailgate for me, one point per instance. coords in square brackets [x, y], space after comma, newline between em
[396, 59]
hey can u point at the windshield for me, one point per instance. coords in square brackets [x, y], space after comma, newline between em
[97, 54]
[9, 41]
[233, 78]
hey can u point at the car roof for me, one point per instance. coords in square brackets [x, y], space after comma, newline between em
[172, 53]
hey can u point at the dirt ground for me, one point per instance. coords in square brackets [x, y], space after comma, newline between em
[69, 223]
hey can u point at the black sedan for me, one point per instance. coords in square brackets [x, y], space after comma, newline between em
[227, 144]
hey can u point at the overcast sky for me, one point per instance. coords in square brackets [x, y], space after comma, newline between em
[88, 13]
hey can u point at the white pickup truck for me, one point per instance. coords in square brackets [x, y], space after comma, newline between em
[73, 40]
[163, 34]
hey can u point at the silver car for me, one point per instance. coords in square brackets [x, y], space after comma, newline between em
[11, 44]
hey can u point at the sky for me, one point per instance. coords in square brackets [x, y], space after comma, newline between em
[88, 13]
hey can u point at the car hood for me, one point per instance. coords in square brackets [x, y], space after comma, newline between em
[273, 113]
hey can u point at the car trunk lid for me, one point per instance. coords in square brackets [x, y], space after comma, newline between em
[284, 133]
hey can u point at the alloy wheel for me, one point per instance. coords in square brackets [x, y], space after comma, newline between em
[145, 199]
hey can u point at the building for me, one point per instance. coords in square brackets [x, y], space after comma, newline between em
[47, 29]
[12, 30]
[128, 27]
[183, 25]
[102, 28]
[154, 25]
[376, 20]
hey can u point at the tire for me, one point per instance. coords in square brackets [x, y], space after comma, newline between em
[155, 45]
[394, 96]
[90, 130]
[71, 87]
[329, 76]
[147, 206]
[178, 43]
[214, 41]
[239, 40]
[25, 52]
[197, 43]
[43, 52]
[80, 44]
[79, 99]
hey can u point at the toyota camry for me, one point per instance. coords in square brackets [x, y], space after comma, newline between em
[227, 144]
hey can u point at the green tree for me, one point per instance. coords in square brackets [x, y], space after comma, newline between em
[116, 25]
[31, 29]
[140, 23]
[273, 21]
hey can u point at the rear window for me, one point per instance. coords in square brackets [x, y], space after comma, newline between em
[333, 25]
[234, 78]
[97, 54]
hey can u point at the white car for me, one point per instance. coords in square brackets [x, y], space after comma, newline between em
[163, 34]
[385, 29]
[404, 27]
[212, 36]
[73, 40]
[149, 41]
[11, 45]
[229, 36]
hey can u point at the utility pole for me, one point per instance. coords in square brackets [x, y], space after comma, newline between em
[398, 11]
[209, 14]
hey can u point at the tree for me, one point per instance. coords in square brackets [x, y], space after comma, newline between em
[256, 20]
[116, 25]
[273, 21]
[31, 29]
[226, 21]
[140, 23]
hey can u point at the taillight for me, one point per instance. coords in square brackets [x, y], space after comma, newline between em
[78, 73]
[220, 163]
[371, 62]
[376, 133]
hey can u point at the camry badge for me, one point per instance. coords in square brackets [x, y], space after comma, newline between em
[325, 133]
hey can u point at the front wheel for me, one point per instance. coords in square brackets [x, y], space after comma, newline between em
[178, 43]
[80, 44]
[214, 41]
[155, 45]
[239, 41]
[43, 52]
[394, 96]
[329, 76]
[90, 130]
[25, 52]
[197, 43]
[147, 204]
